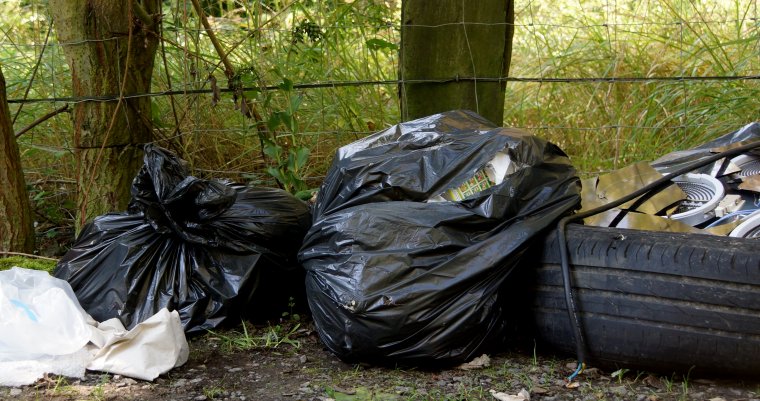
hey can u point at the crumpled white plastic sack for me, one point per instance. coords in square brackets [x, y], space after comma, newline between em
[45, 330]
[38, 317]
[151, 348]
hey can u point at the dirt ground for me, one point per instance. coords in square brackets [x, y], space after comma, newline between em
[288, 362]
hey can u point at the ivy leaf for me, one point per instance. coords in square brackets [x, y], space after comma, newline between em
[272, 150]
[301, 157]
[379, 44]
[274, 121]
[277, 174]
[286, 85]
[295, 103]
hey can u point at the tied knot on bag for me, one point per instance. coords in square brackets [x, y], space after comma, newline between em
[173, 201]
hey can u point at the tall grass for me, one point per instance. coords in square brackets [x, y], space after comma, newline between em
[601, 125]
[605, 125]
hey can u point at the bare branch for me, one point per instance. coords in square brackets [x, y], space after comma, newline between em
[143, 15]
[228, 69]
[43, 118]
[34, 73]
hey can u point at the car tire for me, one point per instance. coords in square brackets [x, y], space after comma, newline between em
[657, 301]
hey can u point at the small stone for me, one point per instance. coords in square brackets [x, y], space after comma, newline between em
[346, 391]
[179, 383]
[302, 359]
[235, 370]
[243, 398]
[200, 398]
[539, 390]
[15, 392]
[129, 381]
[592, 372]
[116, 377]
[402, 390]
[621, 390]
[653, 381]
[196, 380]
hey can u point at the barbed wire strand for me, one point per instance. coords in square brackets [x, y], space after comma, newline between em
[335, 84]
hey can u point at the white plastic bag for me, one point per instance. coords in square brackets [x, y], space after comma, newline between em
[39, 316]
[43, 329]
[151, 348]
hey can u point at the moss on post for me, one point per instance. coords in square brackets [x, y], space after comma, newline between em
[110, 51]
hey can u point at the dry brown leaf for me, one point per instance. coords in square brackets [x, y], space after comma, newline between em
[509, 397]
[480, 362]
[572, 385]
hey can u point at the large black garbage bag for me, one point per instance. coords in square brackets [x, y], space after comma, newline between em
[395, 274]
[203, 247]
[680, 158]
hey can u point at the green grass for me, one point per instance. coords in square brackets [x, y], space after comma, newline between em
[248, 337]
[605, 125]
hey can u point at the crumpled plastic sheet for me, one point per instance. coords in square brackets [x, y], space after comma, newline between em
[45, 330]
[207, 248]
[398, 273]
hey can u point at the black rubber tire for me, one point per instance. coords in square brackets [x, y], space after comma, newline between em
[652, 300]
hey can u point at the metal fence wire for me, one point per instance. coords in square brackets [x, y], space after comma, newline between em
[609, 81]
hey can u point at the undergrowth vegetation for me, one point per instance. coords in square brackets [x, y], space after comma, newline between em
[611, 82]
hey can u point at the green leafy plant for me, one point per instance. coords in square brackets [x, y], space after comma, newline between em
[290, 315]
[669, 382]
[288, 158]
[213, 392]
[269, 338]
[277, 335]
[289, 167]
[618, 374]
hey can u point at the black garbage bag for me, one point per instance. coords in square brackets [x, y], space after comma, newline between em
[680, 158]
[405, 261]
[205, 248]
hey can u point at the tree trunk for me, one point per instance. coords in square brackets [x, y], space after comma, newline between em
[110, 48]
[450, 39]
[16, 230]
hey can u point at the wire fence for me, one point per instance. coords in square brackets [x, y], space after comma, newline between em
[610, 81]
